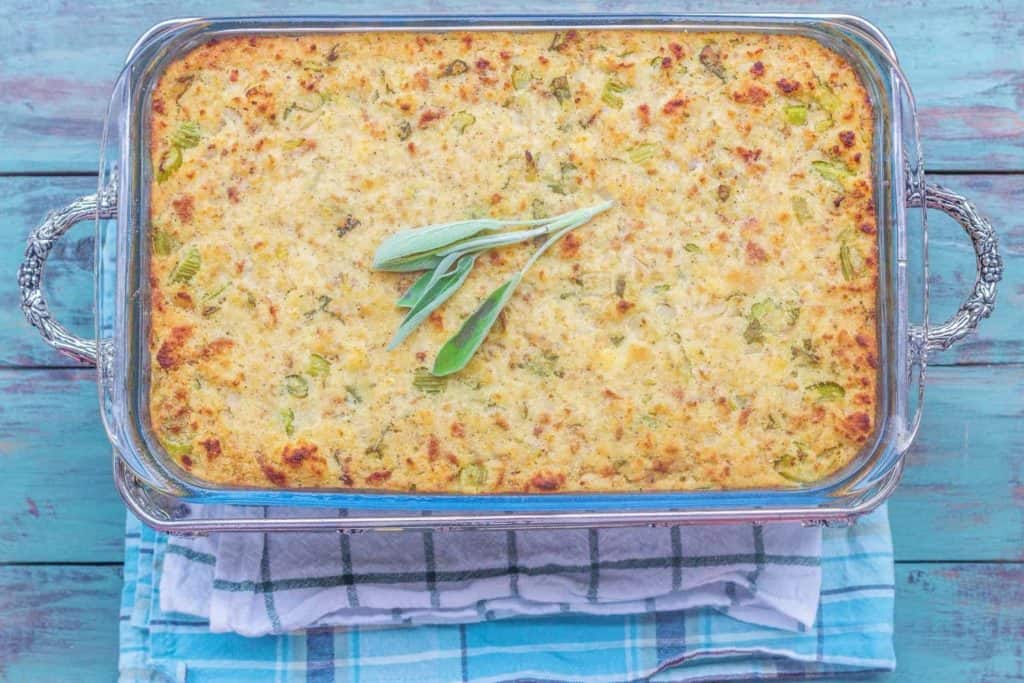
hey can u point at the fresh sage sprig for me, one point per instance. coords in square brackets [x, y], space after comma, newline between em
[447, 253]
[436, 294]
[405, 250]
[425, 248]
[461, 347]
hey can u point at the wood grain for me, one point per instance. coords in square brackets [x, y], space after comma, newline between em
[954, 623]
[58, 502]
[962, 495]
[59, 623]
[966, 64]
[24, 201]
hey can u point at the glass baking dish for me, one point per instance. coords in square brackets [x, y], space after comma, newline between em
[156, 488]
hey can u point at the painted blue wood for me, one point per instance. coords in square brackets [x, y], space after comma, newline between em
[965, 61]
[962, 498]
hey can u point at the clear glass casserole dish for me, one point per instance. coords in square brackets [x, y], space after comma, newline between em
[154, 487]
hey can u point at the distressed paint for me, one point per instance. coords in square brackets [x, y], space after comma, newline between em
[965, 62]
[59, 623]
[962, 498]
[58, 503]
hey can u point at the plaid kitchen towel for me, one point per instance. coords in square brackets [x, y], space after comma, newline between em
[851, 631]
[257, 584]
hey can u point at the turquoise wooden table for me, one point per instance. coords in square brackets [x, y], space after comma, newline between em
[958, 517]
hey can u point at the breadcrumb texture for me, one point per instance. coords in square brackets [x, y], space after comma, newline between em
[715, 330]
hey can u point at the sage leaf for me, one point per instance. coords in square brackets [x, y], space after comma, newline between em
[423, 248]
[410, 244]
[415, 291]
[435, 295]
[458, 350]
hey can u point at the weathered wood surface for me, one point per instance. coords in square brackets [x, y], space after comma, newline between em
[958, 517]
[58, 503]
[965, 62]
[25, 200]
[960, 623]
[59, 623]
[962, 497]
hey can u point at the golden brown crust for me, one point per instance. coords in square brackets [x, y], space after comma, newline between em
[716, 329]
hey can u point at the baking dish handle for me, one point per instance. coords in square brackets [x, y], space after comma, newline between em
[982, 299]
[30, 273]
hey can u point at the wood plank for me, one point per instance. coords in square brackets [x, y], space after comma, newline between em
[59, 623]
[959, 623]
[954, 622]
[68, 278]
[58, 502]
[962, 497]
[24, 201]
[58, 67]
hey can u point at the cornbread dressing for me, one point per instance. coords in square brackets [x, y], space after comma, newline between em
[715, 329]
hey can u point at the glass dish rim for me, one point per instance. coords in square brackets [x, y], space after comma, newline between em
[877, 480]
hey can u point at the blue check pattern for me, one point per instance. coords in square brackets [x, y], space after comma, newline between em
[852, 633]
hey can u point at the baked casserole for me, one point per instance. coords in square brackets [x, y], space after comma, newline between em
[716, 328]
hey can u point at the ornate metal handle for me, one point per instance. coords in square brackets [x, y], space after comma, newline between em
[30, 274]
[982, 299]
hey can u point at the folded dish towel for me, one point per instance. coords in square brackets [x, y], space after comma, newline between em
[625, 604]
[256, 584]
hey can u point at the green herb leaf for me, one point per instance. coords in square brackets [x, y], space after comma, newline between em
[163, 243]
[187, 267]
[170, 161]
[754, 334]
[611, 92]
[455, 68]
[827, 391]
[458, 350]
[176, 449]
[433, 296]
[850, 260]
[297, 386]
[425, 248]
[187, 135]
[833, 171]
[428, 383]
[450, 242]
[801, 210]
[559, 41]
[318, 366]
[415, 291]
[472, 476]
[521, 78]
[827, 99]
[462, 120]
[288, 421]
[711, 59]
[560, 89]
[641, 153]
[798, 467]
[692, 248]
[796, 115]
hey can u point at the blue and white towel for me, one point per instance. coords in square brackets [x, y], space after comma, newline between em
[692, 603]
